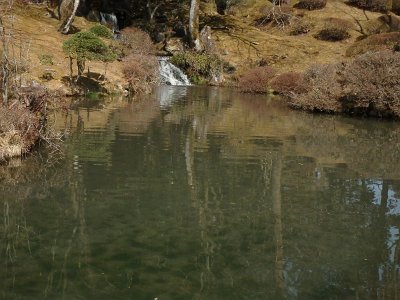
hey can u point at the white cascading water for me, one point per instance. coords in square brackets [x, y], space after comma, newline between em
[109, 20]
[171, 74]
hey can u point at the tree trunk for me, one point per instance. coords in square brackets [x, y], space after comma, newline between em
[194, 25]
[278, 227]
[81, 66]
[68, 10]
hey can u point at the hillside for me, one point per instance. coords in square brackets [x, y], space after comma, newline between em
[239, 41]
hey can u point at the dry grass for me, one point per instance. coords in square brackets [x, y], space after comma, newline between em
[300, 26]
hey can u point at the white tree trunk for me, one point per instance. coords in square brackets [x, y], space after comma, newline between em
[194, 25]
[68, 10]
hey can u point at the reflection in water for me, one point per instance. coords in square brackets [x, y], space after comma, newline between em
[207, 194]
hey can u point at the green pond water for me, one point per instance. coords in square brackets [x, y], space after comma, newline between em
[204, 193]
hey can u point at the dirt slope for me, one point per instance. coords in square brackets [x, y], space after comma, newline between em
[245, 44]
[239, 41]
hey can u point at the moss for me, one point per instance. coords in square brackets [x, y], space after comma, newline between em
[46, 59]
[200, 67]
[101, 31]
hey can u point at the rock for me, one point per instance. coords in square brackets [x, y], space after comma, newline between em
[216, 79]
[159, 37]
[180, 29]
[173, 45]
[229, 68]
[93, 16]
[206, 40]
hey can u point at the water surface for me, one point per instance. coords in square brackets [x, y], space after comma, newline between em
[204, 193]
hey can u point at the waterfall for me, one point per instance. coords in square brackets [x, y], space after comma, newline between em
[171, 74]
[109, 20]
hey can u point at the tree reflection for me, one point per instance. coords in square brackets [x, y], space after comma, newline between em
[214, 196]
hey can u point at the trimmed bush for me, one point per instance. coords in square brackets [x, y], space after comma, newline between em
[334, 30]
[256, 80]
[311, 4]
[102, 31]
[332, 34]
[84, 46]
[288, 83]
[374, 5]
[374, 43]
[141, 72]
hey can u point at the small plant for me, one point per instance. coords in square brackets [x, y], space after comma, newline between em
[48, 75]
[311, 4]
[46, 59]
[102, 31]
[288, 83]
[256, 80]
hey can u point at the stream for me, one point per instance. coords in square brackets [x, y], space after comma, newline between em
[204, 193]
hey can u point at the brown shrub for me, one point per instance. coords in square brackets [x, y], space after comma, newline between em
[288, 83]
[322, 90]
[141, 72]
[133, 41]
[374, 5]
[368, 85]
[256, 80]
[374, 43]
[276, 15]
[371, 84]
[311, 4]
[18, 130]
[300, 26]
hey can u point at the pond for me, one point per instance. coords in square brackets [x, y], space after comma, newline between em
[205, 193]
